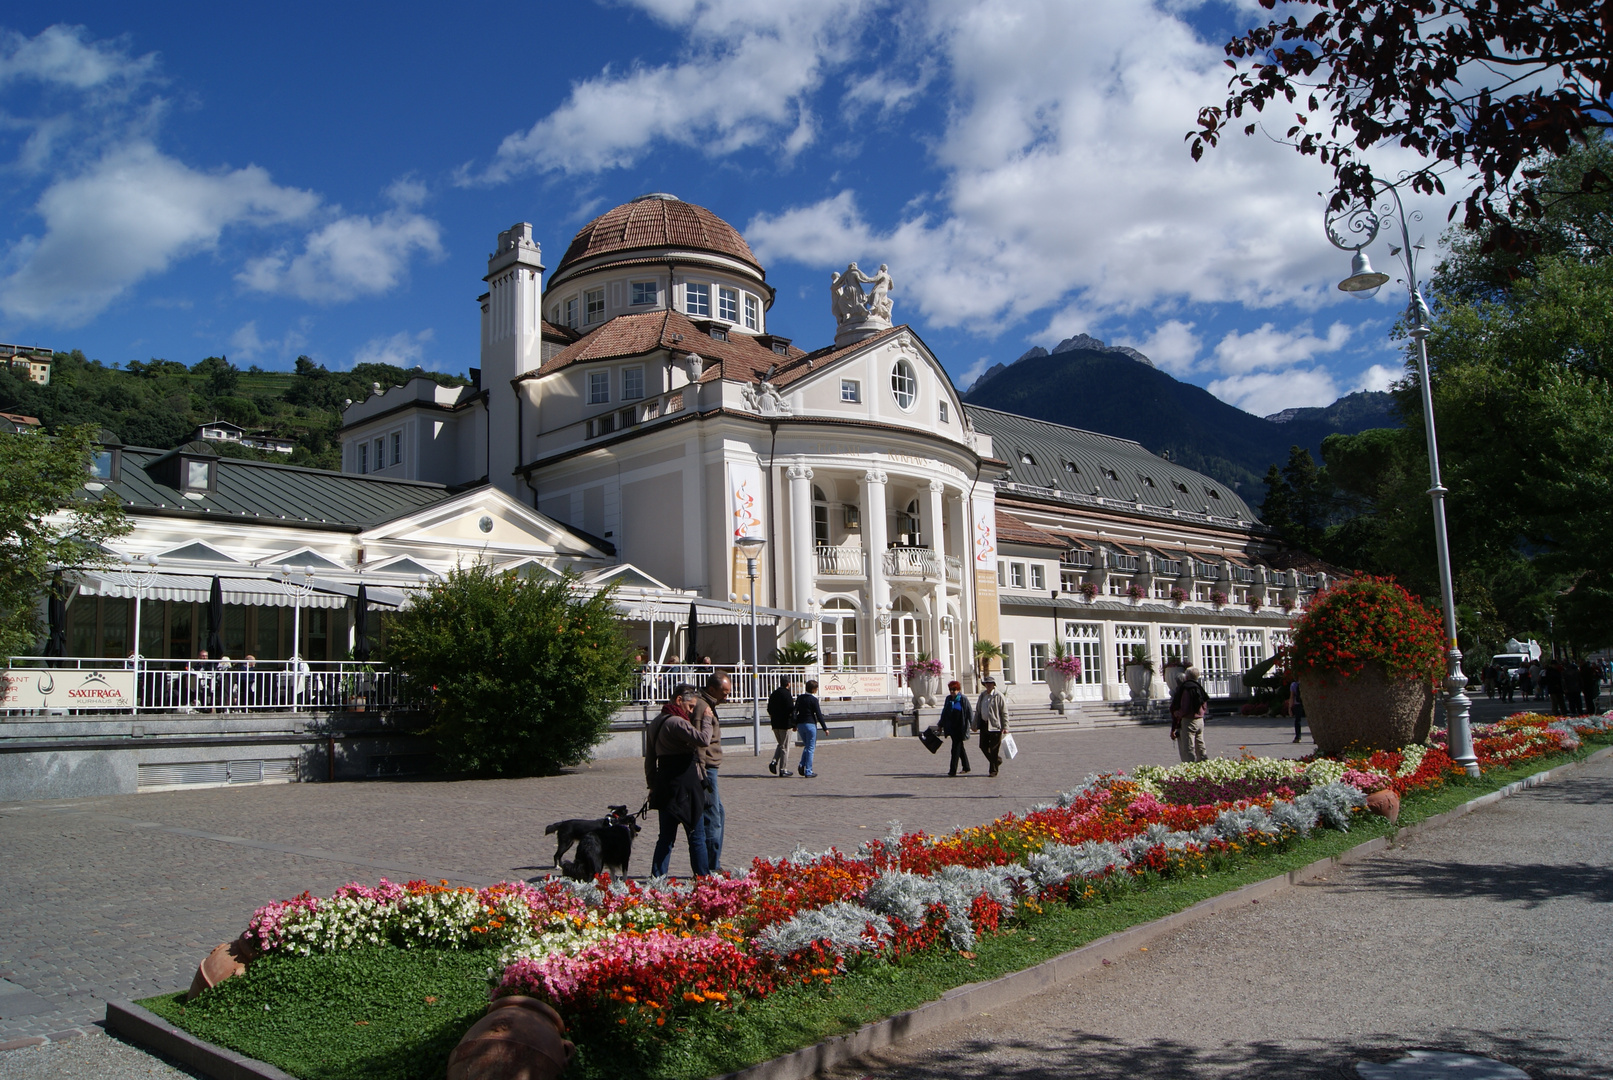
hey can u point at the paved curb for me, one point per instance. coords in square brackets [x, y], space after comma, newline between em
[959, 1003]
[151, 1030]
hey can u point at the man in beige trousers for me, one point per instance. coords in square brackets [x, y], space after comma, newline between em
[991, 720]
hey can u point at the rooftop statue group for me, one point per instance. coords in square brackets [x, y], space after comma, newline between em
[852, 305]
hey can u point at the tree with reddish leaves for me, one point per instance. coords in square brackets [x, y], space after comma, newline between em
[1484, 87]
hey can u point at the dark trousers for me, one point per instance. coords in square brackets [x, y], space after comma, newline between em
[662, 858]
[1299, 719]
[1576, 703]
[960, 752]
[991, 745]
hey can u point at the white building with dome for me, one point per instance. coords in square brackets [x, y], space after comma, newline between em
[640, 400]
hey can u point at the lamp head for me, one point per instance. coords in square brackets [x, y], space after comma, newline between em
[750, 545]
[1363, 282]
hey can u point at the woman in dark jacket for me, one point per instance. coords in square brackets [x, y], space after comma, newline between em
[957, 718]
[677, 781]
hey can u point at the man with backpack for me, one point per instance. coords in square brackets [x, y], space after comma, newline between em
[1189, 706]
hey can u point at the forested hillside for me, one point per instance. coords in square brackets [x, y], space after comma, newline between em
[159, 403]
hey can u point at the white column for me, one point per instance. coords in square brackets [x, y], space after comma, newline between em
[1113, 679]
[873, 515]
[963, 552]
[930, 511]
[802, 557]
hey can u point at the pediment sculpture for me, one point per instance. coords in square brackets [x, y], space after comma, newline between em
[860, 313]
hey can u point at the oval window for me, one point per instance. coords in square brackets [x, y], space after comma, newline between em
[904, 384]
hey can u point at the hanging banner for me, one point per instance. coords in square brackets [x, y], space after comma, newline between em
[985, 535]
[745, 502]
[66, 688]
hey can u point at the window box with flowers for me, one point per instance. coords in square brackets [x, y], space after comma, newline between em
[1062, 673]
[1087, 590]
[1367, 654]
[1178, 597]
[1136, 593]
[1286, 603]
[1218, 599]
[923, 677]
[1255, 603]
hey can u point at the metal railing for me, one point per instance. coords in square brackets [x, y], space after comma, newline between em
[212, 686]
[911, 562]
[840, 561]
[655, 685]
[1243, 573]
[1127, 562]
[1207, 571]
[1168, 567]
[1076, 558]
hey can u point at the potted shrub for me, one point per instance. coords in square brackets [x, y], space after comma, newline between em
[923, 677]
[985, 653]
[1136, 593]
[1178, 597]
[1285, 602]
[1062, 673]
[1139, 672]
[356, 687]
[798, 654]
[1087, 590]
[1367, 654]
[1175, 669]
[1218, 599]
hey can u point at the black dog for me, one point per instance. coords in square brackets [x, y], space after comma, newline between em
[602, 843]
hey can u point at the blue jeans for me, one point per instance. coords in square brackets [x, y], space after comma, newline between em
[809, 743]
[712, 823]
[669, 835]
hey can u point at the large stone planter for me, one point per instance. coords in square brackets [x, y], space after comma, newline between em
[1138, 676]
[1058, 688]
[1174, 673]
[1368, 711]
[926, 690]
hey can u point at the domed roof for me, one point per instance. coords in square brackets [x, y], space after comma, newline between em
[657, 220]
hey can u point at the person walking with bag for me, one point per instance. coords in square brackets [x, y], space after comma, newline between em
[781, 715]
[1188, 709]
[957, 720]
[677, 781]
[808, 722]
[991, 720]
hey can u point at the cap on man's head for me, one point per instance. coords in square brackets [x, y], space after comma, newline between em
[990, 680]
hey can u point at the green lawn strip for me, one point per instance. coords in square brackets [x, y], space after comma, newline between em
[311, 1027]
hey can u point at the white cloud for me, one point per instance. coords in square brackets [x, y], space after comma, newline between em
[354, 255]
[1068, 183]
[403, 349]
[1267, 392]
[248, 345]
[1378, 377]
[63, 56]
[752, 66]
[1269, 348]
[973, 373]
[128, 216]
[1173, 346]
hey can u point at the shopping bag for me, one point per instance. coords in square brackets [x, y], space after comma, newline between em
[931, 738]
[1010, 747]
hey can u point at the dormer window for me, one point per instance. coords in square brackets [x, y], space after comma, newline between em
[728, 305]
[1111, 474]
[1071, 468]
[106, 463]
[1181, 487]
[1212, 493]
[718, 333]
[1148, 481]
[782, 350]
[753, 313]
[1026, 459]
[198, 475]
[697, 300]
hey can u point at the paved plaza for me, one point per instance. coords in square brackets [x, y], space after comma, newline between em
[120, 897]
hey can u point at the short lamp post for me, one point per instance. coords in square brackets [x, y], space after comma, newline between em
[1352, 230]
[752, 547]
[139, 574]
[296, 590]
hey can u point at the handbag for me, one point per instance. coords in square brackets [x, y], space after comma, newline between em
[1010, 747]
[931, 739]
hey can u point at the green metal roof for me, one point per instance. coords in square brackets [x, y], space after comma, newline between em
[271, 492]
[1085, 466]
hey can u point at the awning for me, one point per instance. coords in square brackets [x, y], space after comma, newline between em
[711, 612]
[196, 588]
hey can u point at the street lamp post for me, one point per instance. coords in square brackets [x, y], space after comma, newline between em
[296, 590]
[1352, 230]
[752, 547]
[139, 573]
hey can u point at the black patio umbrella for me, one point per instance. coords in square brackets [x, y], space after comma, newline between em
[691, 648]
[215, 620]
[361, 621]
[56, 615]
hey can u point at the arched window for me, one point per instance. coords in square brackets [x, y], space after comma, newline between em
[839, 635]
[908, 638]
[820, 517]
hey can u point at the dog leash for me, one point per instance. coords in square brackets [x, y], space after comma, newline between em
[644, 811]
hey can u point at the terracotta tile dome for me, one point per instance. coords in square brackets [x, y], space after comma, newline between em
[656, 221]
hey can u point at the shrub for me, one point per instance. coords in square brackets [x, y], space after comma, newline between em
[1364, 620]
[521, 677]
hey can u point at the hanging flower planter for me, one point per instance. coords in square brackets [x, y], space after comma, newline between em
[1367, 653]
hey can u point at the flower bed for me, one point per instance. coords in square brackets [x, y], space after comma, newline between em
[637, 956]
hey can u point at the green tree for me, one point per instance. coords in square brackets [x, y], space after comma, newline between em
[47, 520]
[521, 677]
[1299, 500]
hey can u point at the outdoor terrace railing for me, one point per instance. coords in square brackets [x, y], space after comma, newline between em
[1127, 562]
[911, 562]
[840, 561]
[1207, 571]
[212, 686]
[655, 685]
[1168, 567]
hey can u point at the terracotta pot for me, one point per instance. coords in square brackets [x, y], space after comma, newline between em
[225, 961]
[1385, 803]
[520, 1038]
[1369, 711]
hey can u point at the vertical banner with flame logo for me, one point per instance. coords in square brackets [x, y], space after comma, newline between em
[985, 546]
[745, 489]
[985, 536]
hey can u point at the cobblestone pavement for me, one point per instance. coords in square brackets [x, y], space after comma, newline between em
[1486, 937]
[121, 897]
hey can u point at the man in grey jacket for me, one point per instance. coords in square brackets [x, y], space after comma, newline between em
[718, 687]
[991, 719]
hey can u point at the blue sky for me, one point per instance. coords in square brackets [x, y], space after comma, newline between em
[182, 180]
